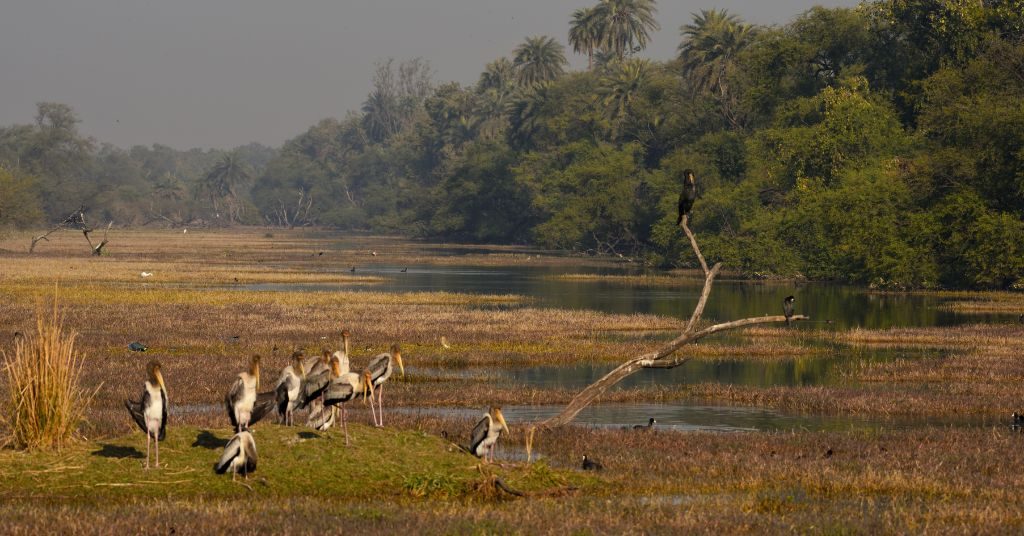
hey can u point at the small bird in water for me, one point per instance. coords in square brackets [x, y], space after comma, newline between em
[406, 269]
[353, 269]
[787, 308]
[590, 464]
[137, 347]
[649, 425]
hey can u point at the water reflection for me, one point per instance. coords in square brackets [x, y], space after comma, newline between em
[846, 307]
[799, 371]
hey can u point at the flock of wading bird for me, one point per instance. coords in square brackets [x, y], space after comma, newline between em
[321, 384]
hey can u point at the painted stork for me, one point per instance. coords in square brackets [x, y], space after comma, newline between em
[239, 456]
[345, 387]
[150, 413]
[242, 396]
[380, 368]
[288, 389]
[486, 433]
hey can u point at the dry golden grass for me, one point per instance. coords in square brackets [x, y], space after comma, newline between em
[46, 402]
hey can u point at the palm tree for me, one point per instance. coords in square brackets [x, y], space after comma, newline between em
[709, 52]
[620, 87]
[499, 75]
[524, 113]
[539, 59]
[625, 26]
[710, 46]
[585, 33]
[221, 181]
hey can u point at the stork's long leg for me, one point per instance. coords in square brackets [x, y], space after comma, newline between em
[373, 412]
[147, 445]
[156, 440]
[344, 422]
[380, 406]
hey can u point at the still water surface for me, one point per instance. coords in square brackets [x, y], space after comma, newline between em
[844, 307]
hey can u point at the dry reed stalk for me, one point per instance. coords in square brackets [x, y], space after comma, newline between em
[45, 401]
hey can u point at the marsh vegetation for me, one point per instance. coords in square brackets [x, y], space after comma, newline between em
[921, 436]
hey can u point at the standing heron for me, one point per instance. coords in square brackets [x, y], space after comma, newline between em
[380, 368]
[687, 196]
[242, 396]
[486, 433]
[150, 413]
[787, 308]
[288, 388]
[239, 456]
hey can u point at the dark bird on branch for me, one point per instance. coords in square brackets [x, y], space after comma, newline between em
[787, 308]
[137, 347]
[590, 464]
[648, 426]
[688, 195]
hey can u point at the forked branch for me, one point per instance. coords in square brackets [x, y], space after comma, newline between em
[660, 357]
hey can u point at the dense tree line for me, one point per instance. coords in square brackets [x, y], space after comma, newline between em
[880, 145]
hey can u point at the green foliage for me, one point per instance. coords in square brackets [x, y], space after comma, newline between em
[19, 202]
[881, 144]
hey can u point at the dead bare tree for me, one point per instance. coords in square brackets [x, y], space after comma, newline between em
[662, 357]
[74, 221]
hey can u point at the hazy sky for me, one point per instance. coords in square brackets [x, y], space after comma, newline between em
[218, 73]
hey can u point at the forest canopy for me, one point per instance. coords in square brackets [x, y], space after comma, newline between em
[879, 145]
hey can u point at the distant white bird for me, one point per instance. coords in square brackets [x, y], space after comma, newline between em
[184, 231]
[239, 456]
[146, 274]
[444, 343]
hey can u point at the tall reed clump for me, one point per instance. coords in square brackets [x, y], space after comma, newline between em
[45, 401]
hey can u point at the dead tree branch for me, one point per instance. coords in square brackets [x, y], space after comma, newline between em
[76, 218]
[660, 357]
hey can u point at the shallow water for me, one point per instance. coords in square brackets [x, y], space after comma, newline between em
[829, 305]
[695, 417]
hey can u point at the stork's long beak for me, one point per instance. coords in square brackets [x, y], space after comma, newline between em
[401, 367]
[160, 379]
[501, 419]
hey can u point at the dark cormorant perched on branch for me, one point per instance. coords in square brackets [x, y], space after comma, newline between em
[787, 308]
[688, 195]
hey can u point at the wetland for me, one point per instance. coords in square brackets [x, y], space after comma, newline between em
[884, 412]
